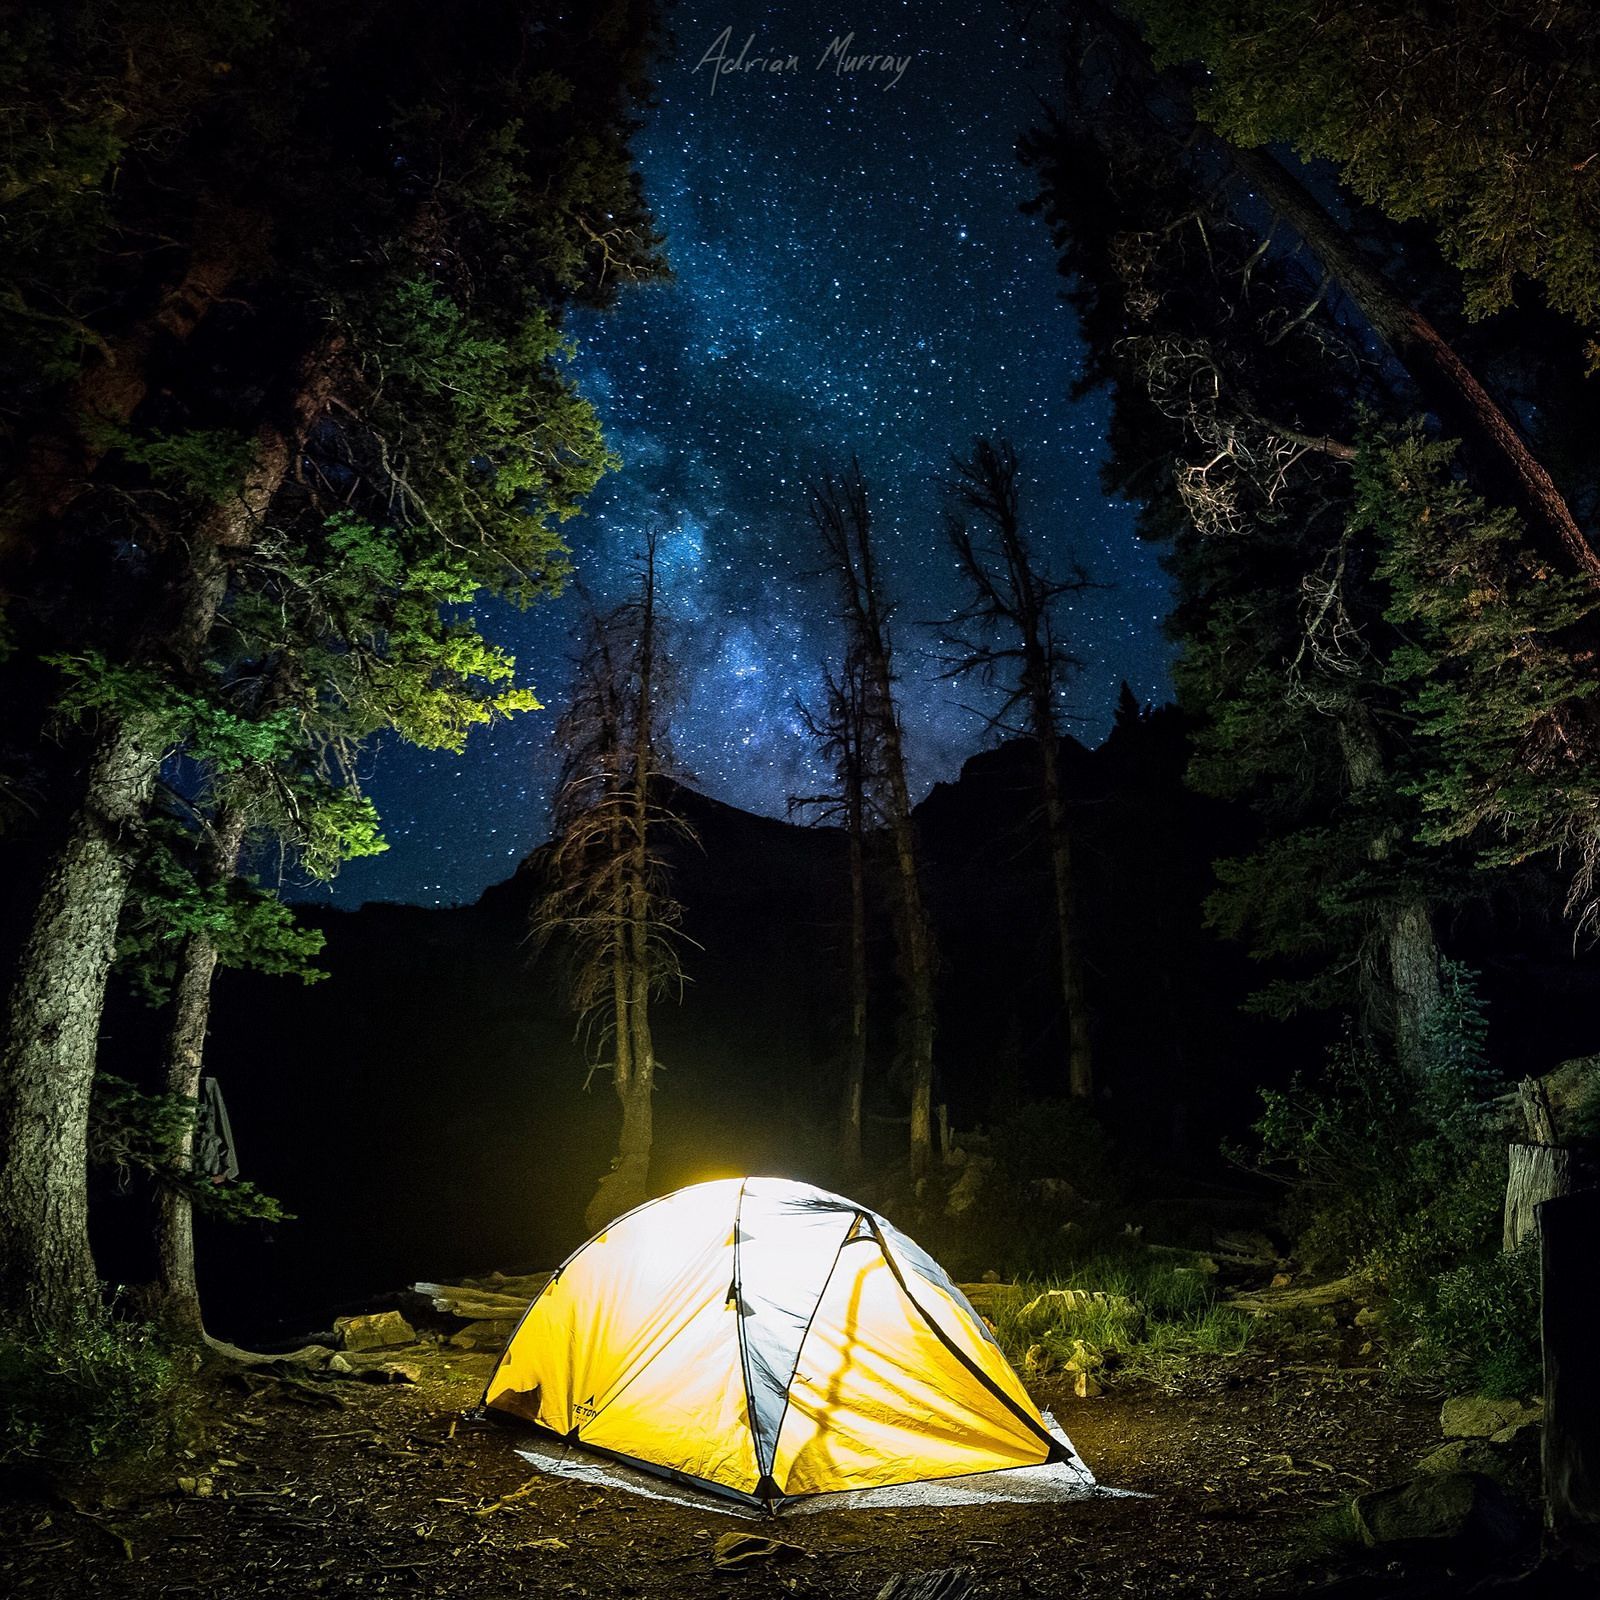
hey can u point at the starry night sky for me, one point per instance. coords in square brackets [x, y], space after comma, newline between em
[852, 274]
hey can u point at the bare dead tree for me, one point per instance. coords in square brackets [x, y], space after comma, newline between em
[1006, 635]
[843, 519]
[608, 890]
[844, 735]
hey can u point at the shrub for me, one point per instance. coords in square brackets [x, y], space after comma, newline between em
[106, 1388]
[1147, 1320]
[1398, 1171]
[1478, 1324]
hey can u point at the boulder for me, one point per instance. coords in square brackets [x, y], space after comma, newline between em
[1476, 1416]
[1461, 1455]
[1443, 1513]
[379, 1330]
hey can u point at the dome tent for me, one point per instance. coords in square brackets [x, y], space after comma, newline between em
[767, 1340]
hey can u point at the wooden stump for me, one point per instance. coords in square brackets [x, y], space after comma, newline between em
[1536, 1172]
[1569, 1230]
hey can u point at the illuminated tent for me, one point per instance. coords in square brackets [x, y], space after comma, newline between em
[765, 1339]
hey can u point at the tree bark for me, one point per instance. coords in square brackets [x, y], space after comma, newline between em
[47, 1069]
[191, 1015]
[1570, 1437]
[1534, 1173]
[1410, 952]
[47, 1072]
[1443, 377]
[626, 1184]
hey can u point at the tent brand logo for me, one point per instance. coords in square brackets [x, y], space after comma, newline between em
[585, 1409]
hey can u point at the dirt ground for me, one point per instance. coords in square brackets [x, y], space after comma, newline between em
[355, 1488]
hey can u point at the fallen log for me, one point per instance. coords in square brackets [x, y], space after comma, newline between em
[475, 1304]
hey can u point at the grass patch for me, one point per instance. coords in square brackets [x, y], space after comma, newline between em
[1121, 1314]
[106, 1389]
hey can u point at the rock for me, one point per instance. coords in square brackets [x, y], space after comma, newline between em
[342, 1365]
[377, 1331]
[1442, 1512]
[1510, 1434]
[1083, 1358]
[394, 1372]
[1054, 1303]
[735, 1550]
[1085, 1386]
[1054, 1192]
[202, 1487]
[991, 1276]
[1366, 1317]
[1461, 1455]
[1282, 1280]
[967, 1189]
[1475, 1416]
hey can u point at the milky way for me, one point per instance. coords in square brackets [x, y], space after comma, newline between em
[852, 274]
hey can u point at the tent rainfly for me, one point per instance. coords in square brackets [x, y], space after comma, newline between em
[766, 1340]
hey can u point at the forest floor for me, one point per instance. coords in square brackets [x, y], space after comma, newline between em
[334, 1488]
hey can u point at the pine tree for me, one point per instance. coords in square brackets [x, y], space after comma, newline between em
[376, 362]
[844, 735]
[607, 876]
[842, 517]
[1007, 633]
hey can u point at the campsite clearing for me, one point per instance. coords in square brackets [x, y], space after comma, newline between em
[349, 1488]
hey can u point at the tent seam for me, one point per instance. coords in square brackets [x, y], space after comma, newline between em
[799, 1349]
[738, 1328]
[966, 1361]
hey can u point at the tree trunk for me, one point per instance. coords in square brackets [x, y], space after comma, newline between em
[918, 961]
[47, 1071]
[626, 1184]
[1080, 1066]
[191, 1014]
[855, 1064]
[1570, 1296]
[1535, 1173]
[1410, 952]
[1444, 378]
[912, 923]
[1413, 975]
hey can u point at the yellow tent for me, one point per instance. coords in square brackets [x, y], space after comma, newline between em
[767, 1339]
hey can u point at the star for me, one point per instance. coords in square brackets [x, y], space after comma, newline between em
[853, 274]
